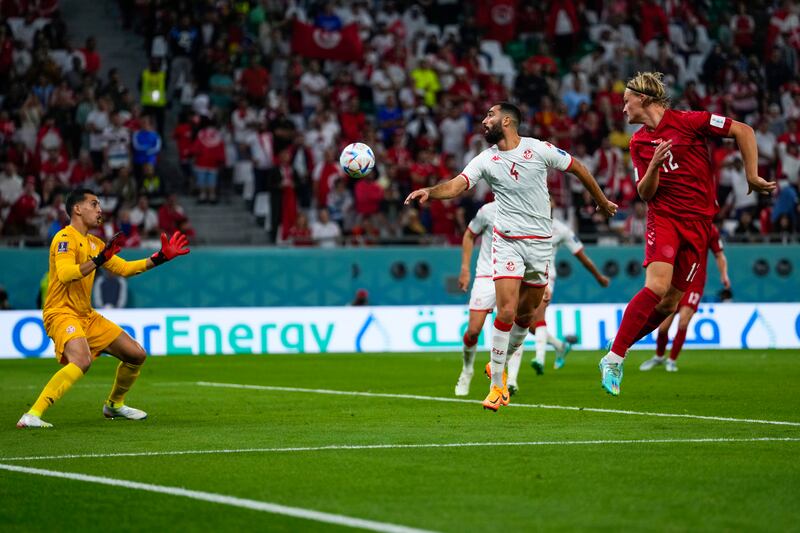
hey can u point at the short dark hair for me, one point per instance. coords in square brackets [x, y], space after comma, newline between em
[76, 197]
[510, 109]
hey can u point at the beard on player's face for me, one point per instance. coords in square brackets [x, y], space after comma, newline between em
[493, 133]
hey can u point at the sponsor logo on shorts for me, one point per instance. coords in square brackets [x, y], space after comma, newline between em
[62, 246]
[510, 266]
[70, 329]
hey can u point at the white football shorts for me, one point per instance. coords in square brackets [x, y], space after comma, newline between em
[524, 259]
[482, 297]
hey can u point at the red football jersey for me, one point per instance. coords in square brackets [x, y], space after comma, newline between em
[686, 187]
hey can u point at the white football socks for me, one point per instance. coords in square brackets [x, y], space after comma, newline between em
[513, 365]
[468, 353]
[498, 355]
[541, 344]
[554, 342]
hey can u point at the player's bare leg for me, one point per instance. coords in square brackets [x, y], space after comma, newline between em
[78, 360]
[507, 291]
[132, 356]
[685, 315]
[661, 346]
[474, 327]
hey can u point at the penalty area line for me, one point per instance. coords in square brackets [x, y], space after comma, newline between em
[400, 446]
[520, 405]
[211, 497]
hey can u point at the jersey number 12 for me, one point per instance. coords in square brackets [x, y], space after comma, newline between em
[669, 164]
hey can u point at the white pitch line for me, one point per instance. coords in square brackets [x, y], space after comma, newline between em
[459, 400]
[334, 447]
[267, 507]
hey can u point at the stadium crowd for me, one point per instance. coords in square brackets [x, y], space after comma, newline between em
[258, 105]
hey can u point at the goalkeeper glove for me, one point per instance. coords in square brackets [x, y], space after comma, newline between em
[112, 248]
[176, 245]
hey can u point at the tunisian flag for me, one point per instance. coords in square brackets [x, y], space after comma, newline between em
[341, 45]
[499, 18]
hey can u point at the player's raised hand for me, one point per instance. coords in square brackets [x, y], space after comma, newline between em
[463, 279]
[760, 185]
[419, 194]
[112, 248]
[171, 248]
[661, 153]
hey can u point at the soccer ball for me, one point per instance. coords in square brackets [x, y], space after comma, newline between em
[357, 160]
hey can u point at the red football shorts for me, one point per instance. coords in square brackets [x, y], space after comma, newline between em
[681, 243]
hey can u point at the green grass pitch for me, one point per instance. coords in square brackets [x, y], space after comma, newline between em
[735, 483]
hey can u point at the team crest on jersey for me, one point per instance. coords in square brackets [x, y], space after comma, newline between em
[510, 266]
[62, 246]
[527, 154]
[70, 329]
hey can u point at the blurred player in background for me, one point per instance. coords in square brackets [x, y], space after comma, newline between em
[687, 308]
[80, 333]
[562, 236]
[516, 169]
[672, 166]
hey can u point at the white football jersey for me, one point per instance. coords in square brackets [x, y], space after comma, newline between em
[483, 225]
[518, 179]
[563, 235]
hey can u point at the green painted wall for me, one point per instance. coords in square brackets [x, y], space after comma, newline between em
[217, 277]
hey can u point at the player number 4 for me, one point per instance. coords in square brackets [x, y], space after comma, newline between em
[514, 173]
[669, 163]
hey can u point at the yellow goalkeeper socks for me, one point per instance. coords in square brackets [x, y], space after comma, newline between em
[59, 384]
[126, 375]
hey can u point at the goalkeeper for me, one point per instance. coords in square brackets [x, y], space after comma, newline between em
[80, 333]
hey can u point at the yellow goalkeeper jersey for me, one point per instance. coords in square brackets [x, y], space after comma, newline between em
[69, 291]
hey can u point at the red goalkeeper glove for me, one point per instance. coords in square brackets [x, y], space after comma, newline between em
[112, 248]
[176, 245]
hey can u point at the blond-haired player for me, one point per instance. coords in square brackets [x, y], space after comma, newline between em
[80, 333]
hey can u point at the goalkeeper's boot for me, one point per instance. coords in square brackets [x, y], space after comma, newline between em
[566, 347]
[32, 421]
[671, 365]
[123, 411]
[462, 386]
[611, 376]
[651, 363]
[496, 398]
[488, 372]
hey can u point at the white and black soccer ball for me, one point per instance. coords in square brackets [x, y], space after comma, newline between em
[357, 160]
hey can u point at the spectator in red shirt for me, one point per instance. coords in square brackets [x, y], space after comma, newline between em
[209, 157]
[183, 135]
[171, 215]
[368, 195]
[300, 233]
[90, 56]
[353, 122]
[254, 81]
[20, 220]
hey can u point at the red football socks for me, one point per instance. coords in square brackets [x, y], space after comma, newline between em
[677, 344]
[635, 319]
[661, 343]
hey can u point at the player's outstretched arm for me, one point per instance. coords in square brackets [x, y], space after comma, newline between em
[171, 248]
[604, 205]
[467, 245]
[589, 265]
[442, 191]
[746, 140]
